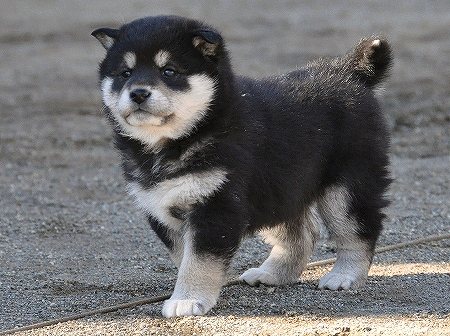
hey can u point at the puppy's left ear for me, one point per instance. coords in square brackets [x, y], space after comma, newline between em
[208, 42]
[106, 36]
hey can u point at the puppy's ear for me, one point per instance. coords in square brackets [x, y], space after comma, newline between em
[106, 36]
[208, 42]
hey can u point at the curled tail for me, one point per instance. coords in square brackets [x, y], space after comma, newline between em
[371, 60]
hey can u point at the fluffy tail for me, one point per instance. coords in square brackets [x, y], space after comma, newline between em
[371, 60]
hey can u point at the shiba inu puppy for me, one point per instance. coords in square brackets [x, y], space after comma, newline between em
[212, 157]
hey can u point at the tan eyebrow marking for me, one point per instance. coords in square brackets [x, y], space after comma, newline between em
[130, 59]
[161, 58]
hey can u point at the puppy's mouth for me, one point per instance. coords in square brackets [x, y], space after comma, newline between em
[141, 117]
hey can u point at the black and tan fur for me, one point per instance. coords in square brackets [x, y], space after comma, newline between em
[212, 157]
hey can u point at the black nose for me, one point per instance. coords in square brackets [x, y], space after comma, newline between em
[139, 95]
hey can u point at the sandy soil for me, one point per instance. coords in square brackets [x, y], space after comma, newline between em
[70, 238]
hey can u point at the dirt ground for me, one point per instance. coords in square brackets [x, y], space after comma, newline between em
[71, 239]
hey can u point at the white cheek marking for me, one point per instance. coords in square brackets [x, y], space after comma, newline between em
[124, 105]
[194, 103]
[130, 59]
[183, 191]
[161, 58]
[191, 106]
[110, 99]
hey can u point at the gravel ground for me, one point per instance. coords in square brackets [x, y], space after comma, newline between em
[71, 239]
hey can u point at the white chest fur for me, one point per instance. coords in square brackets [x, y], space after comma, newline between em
[182, 192]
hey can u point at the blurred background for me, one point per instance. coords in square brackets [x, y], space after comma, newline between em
[49, 59]
[70, 238]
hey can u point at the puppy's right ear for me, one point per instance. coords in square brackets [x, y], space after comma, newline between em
[207, 41]
[106, 36]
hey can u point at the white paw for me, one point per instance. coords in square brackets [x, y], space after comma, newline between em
[173, 308]
[255, 276]
[335, 281]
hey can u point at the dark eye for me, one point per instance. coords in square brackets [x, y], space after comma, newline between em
[126, 74]
[169, 72]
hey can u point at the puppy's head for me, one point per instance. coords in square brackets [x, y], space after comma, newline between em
[160, 75]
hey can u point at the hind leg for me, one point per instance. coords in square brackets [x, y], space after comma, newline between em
[354, 224]
[293, 244]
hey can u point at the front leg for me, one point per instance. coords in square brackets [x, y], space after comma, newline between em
[210, 238]
[171, 238]
[200, 279]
